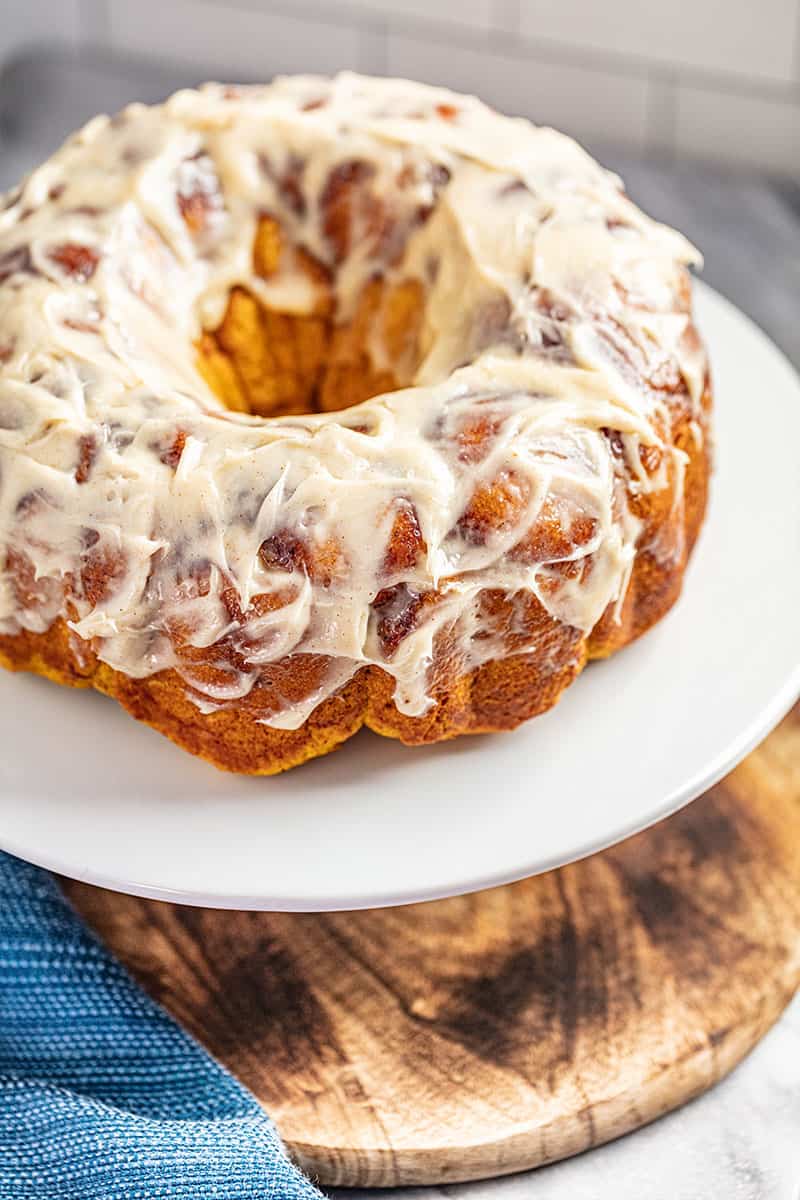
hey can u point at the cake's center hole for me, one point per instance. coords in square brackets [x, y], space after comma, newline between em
[267, 360]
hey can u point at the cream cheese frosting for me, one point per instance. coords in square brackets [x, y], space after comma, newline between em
[553, 309]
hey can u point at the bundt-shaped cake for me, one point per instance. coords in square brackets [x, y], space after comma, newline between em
[336, 403]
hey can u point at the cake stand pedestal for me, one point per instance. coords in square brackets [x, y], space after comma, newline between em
[491, 1033]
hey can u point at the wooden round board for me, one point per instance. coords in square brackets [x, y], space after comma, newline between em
[495, 1032]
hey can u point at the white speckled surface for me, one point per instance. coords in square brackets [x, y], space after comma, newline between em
[740, 1141]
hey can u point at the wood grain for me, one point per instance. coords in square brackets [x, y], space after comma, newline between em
[490, 1033]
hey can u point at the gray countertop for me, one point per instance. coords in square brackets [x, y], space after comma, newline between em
[742, 1140]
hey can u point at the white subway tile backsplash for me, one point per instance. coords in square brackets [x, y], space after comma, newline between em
[742, 130]
[592, 105]
[716, 79]
[232, 42]
[746, 37]
[473, 14]
[25, 23]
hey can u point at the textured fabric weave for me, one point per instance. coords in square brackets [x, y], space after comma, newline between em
[102, 1095]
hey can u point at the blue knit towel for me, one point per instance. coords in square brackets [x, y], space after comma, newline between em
[102, 1095]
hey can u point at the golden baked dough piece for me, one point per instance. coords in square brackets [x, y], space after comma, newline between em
[499, 695]
[388, 319]
[272, 362]
[259, 360]
[263, 361]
